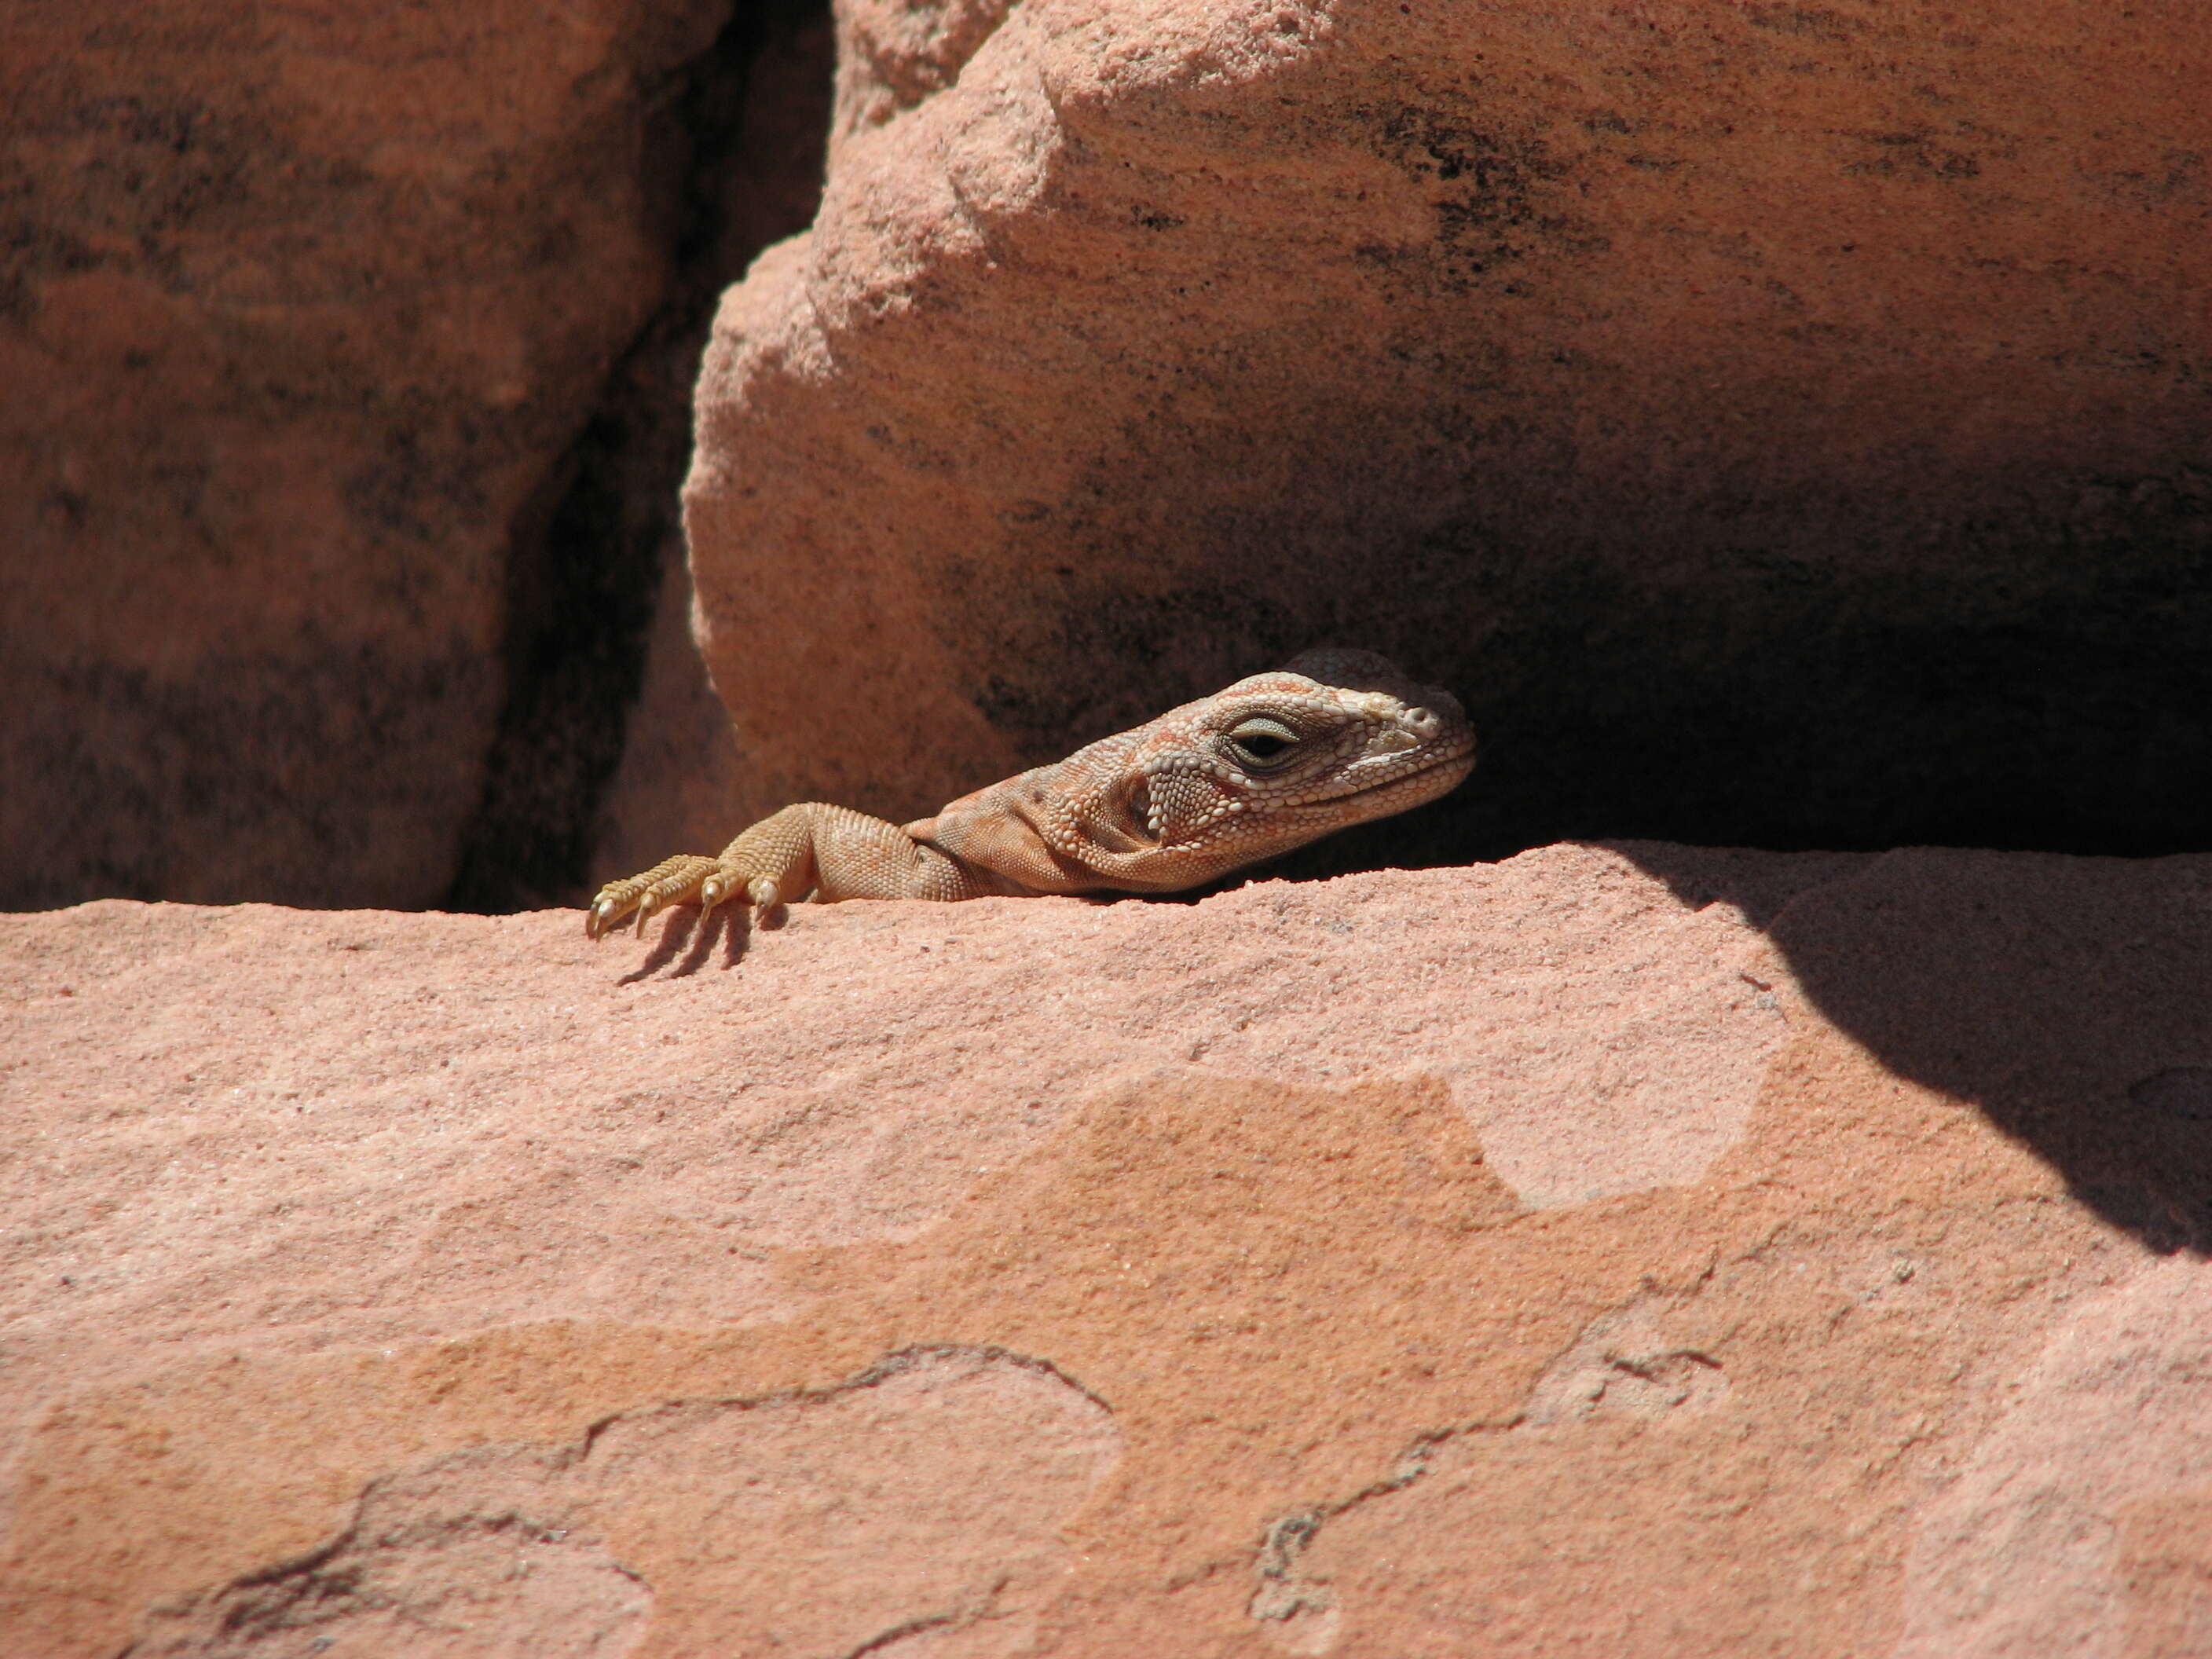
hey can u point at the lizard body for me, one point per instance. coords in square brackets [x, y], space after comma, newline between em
[1335, 738]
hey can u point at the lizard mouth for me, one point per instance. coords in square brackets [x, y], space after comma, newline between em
[1459, 757]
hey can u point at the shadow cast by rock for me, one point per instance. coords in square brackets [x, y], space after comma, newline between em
[2063, 998]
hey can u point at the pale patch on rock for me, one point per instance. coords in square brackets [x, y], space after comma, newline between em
[2020, 1558]
[475, 1556]
[1625, 1365]
[1620, 1049]
[1296, 1614]
[903, 1513]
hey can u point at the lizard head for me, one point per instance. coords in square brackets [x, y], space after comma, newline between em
[1334, 738]
[1275, 760]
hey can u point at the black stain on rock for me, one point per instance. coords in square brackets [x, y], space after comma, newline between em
[1491, 192]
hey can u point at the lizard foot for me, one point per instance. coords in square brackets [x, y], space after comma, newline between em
[778, 861]
[687, 878]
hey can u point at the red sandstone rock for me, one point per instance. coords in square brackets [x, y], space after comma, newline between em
[1642, 1251]
[299, 307]
[1777, 422]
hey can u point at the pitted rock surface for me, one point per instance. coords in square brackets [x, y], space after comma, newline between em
[1636, 1249]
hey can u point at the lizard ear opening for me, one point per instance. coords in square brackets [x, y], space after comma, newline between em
[1138, 806]
[1122, 818]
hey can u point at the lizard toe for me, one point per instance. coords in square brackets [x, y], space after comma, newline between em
[647, 907]
[609, 906]
[672, 881]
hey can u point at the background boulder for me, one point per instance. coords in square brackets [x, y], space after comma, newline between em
[347, 363]
[1782, 425]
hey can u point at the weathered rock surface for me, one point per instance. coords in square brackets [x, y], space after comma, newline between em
[304, 315]
[1783, 425]
[1634, 1251]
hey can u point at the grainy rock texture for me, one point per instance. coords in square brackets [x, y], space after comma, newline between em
[1782, 424]
[327, 339]
[1627, 1251]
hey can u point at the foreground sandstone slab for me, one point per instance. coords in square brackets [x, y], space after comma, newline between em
[1639, 1251]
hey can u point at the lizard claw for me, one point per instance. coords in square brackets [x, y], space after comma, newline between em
[712, 891]
[613, 902]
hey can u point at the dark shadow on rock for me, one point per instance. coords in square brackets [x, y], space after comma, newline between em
[679, 930]
[736, 151]
[682, 936]
[2068, 1000]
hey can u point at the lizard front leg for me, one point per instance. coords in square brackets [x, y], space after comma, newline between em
[832, 852]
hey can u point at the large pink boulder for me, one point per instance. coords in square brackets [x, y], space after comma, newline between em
[304, 312]
[1635, 1251]
[1782, 424]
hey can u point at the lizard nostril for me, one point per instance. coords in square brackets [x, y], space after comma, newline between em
[1422, 722]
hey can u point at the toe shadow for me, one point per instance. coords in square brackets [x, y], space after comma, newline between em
[684, 938]
[682, 925]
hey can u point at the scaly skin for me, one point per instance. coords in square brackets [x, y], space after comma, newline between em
[1338, 737]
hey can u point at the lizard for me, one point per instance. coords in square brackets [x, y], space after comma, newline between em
[1335, 738]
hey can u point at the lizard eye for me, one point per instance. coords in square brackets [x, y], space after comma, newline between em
[1262, 743]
